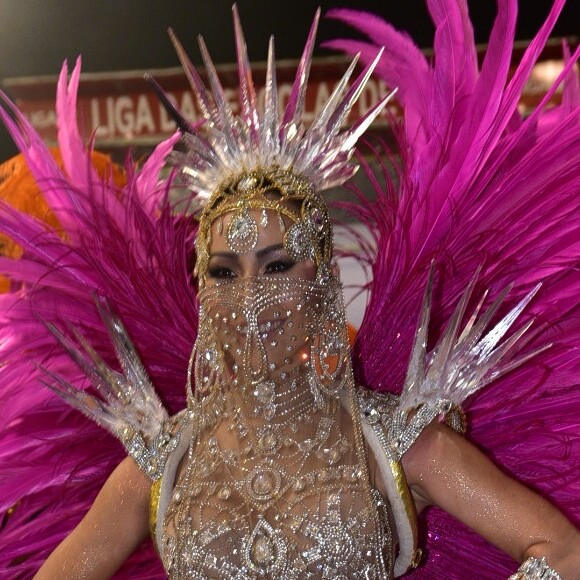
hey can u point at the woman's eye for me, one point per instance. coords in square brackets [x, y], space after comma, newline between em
[279, 266]
[219, 272]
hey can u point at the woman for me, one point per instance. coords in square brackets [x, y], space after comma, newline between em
[273, 470]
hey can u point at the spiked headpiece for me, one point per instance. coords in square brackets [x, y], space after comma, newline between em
[259, 161]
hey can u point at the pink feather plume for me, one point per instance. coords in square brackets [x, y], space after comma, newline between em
[123, 244]
[477, 185]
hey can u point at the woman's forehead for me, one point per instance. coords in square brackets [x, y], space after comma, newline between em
[269, 229]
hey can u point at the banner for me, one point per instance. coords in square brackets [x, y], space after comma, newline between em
[119, 108]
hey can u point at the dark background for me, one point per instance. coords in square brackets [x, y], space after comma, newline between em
[37, 35]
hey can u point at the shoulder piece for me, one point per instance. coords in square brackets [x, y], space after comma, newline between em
[124, 404]
[390, 430]
[151, 454]
[463, 361]
[397, 427]
[437, 382]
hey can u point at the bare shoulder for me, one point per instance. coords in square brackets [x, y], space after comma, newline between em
[436, 443]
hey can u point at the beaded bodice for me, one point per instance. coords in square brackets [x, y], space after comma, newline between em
[265, 500]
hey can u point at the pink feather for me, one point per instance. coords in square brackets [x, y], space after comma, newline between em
[478, 185]
[123, 244]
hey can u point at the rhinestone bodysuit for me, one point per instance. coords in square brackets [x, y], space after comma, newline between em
[282, 503]
[274, 483]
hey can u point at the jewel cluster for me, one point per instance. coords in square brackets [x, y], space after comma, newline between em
[535, 569]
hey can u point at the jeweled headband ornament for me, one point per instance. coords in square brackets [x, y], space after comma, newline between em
[257, 160]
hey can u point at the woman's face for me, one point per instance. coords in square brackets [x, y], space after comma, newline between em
[262, 304]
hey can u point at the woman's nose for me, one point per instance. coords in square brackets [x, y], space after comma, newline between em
[249, 269]
[249, 290]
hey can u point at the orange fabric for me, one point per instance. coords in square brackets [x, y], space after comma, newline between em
[351, 333]
[19, 188]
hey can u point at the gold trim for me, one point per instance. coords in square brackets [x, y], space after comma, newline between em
[407, 499]
[457, 419]
[154, 508]
[416, 558]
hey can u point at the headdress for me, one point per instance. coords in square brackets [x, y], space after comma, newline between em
[257, 166]
[261, 160]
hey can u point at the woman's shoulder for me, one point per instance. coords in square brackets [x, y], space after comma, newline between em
[398, 426]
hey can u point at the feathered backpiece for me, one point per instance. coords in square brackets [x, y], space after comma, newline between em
[115, 238]
[478, 187]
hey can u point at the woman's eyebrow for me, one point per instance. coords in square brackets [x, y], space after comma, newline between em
[231, 255]
[269, 250]
[259, 253]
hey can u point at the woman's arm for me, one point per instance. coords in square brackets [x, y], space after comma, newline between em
[444, 469]
[116, 524]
